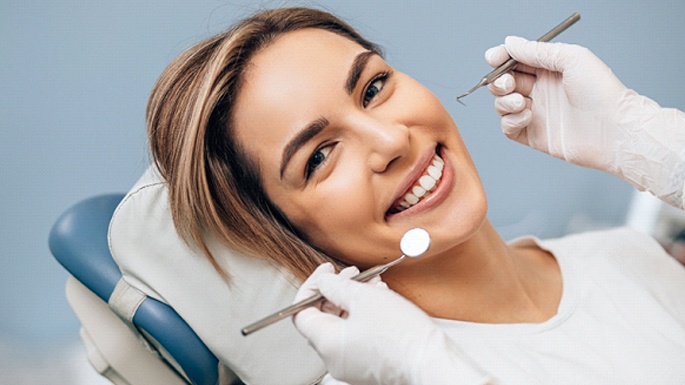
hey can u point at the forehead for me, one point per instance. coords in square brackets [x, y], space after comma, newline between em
[294, 80]
[298, 58]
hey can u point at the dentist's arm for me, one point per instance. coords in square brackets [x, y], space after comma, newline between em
[566, 102]
[368, 334]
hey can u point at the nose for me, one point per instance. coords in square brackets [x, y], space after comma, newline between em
[386, 141]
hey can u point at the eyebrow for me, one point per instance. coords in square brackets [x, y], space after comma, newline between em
[313, 128]
[356, 70]
[301, 139]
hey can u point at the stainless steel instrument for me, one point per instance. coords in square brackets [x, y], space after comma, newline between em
[414, 243]
[511, 63]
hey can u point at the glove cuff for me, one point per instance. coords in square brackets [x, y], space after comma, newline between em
[652, 157]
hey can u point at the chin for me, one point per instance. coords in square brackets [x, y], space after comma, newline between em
[461, 222]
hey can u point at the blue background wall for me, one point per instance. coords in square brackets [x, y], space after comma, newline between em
[75, 77]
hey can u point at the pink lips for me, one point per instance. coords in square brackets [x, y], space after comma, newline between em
[432, 197]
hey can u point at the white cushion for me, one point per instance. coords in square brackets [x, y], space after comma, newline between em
[153, 258]
[113, 349]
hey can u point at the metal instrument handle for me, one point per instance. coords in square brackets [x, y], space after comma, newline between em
[314, 300]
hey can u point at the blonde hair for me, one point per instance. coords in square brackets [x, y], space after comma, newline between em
[214, 187]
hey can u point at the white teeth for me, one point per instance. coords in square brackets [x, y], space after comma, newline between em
[434, 172]
[411, 199]
[426, 183]
[438, 163]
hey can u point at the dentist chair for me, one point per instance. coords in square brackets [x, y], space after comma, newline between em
[154, 310]
[131, 340]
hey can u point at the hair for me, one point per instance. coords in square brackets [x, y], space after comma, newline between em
[214, 186]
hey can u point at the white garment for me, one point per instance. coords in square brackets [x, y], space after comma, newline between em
[621, 319]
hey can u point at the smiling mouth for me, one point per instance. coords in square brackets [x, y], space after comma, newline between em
[422, 188]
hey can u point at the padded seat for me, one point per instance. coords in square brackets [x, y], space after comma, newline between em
[78, 240]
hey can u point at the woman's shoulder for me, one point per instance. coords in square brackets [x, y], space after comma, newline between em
[624, 233]
[620, 242]
[632, 253]
[620, 248]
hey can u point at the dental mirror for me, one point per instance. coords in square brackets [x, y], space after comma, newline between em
[413, 244]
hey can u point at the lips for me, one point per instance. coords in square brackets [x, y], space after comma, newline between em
[422, 187]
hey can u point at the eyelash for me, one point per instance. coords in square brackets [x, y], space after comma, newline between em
[310, 169]
[380, 77]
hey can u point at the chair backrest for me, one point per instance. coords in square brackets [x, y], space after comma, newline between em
[78, 240]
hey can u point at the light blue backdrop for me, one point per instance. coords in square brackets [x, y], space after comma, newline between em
[75, 77]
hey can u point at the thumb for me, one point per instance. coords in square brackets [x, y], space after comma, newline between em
[340, 291]
[550, 56]
[316, 326]
[308, 287]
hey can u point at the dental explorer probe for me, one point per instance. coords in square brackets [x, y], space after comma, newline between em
[413, 244]
[511, 63]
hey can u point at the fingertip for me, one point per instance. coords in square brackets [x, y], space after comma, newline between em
[505, 83]
[377, 281]
[526, 116]
[308, 287]
[513, 124]
[510, 104]
[496, 55]
[325, 267]
[516, 102]
[374, 280]
[502, 85]
[509, 129]
[512, 40]
[349, 271]
[489, 53]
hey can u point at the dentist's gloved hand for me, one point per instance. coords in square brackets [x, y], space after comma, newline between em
[369, 335]
[566, 102]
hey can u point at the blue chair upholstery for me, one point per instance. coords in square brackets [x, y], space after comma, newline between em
[78, 240]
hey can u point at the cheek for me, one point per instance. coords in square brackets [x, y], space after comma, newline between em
[339, 204]
[421, 107]
[438, 120]
[336, 215]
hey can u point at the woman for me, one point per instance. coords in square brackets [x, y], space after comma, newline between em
[291, 137]
[561, 100]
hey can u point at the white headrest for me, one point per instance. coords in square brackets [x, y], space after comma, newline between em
[152, 257]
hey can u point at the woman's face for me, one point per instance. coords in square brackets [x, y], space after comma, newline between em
[354, 152]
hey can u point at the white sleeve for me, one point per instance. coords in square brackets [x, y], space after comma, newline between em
[658, 161]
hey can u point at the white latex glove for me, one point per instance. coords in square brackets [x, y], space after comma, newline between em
[370, 335]
[329, 380]
[566, 102]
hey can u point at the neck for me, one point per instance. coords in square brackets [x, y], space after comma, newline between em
[482, 280]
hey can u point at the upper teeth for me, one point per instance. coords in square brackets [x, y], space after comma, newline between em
[426, 183]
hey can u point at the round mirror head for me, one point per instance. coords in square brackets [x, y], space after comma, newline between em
[415, 242]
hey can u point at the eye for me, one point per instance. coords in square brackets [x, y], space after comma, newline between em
[316, 160]
[374, 88]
